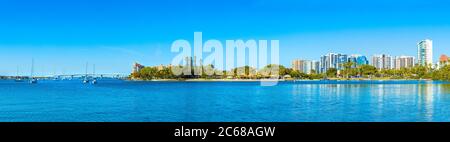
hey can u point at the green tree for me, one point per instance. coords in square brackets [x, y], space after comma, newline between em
[348, 70]
[244, 72]
[442, 74]
[148, 73]
[295, 74]
[367, 70]
[420, 72]
[271, 68]
[316, 76]
[331, 72]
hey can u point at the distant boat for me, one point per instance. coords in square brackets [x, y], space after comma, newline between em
[86, 80]
[32, 79]
[18, 78]
[94, 79]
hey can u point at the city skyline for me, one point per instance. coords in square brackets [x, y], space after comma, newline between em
[424, 57]
[63, 36]
[333, 60]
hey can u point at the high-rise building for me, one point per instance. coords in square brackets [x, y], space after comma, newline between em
[358, 60]
[362, 60]
[316, 67]
[403, 62]
[311, 67]
[375, 61]
[332, 60]
[353, 59]
[382, 61]
[305, 66]
[324, 63]
[425, 52]
[342, 58]
[297, 65]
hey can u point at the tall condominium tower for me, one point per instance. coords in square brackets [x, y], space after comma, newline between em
[425, 52]
[358, 60]
[382, 61]
[332, 60]
[403, 62]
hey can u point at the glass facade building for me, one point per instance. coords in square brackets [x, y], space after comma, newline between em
[425, 52]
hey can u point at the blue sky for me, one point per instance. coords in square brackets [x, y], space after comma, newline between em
[63, 35]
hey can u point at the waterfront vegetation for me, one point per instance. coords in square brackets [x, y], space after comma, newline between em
[349, 72]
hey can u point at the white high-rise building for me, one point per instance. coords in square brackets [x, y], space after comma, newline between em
[332, 60]
[425, 52]
[403, 62]
[382, 61]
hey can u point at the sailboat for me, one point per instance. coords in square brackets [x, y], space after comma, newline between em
[94, 79]
[32, 79]
[18, 78]
[86, 80]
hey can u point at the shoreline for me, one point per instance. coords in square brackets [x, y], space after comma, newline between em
[282, 80]
[207, 80]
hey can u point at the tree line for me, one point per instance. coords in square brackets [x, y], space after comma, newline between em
[348, 72]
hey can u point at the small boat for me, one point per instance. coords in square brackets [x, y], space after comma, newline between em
[94, 81]
[32, 79]
[18, 80]
[86, 80]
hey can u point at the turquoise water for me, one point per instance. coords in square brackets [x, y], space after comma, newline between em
[301, 101]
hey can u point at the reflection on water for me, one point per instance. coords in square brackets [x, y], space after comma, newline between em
[425, 100]
[225, 101]
[380, 102]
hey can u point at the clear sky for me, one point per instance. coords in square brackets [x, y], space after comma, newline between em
[63, 35]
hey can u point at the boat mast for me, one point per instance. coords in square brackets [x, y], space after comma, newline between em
[32, 68]
[85, 77]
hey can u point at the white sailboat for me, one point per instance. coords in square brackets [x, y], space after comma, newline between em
[86, 80]
[94, 79]
[33, 80]
[18, 78]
